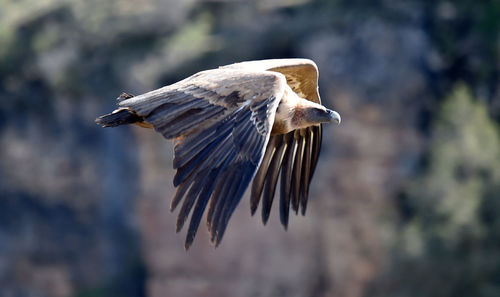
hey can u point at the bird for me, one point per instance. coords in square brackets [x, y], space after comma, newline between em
[254, 120]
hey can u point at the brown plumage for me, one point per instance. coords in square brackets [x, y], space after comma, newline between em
[255, 119]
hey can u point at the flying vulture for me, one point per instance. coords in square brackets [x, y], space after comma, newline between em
[250, 120]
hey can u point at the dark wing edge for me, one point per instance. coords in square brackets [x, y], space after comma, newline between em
[221, 168]
[294, 157]
[221, 125]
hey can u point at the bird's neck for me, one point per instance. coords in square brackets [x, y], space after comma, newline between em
[290, 113]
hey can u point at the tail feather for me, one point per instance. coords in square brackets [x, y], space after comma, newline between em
[118, 117]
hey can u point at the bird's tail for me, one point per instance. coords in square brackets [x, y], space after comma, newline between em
[119, 117]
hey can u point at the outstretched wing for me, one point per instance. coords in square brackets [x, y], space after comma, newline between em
[295, 154]
[221, 121]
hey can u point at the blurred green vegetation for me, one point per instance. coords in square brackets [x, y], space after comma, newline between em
[466, 34]
[448, 243]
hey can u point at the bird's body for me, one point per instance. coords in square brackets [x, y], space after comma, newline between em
[241, 121]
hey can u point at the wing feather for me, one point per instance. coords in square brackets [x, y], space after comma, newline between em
[190, 198]
[194, 144]
[235, 187]
[260, 176]
[181, 190]
[297, 171]
[293, 156]
[217, 202]
[201, 205]
[297, 160]
[219, 146]
[317, 135]
[232, 181]
[272, 179]
[286, 178]
[185, 122]
[306, 167]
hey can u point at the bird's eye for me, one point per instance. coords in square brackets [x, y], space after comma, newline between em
[319, 111]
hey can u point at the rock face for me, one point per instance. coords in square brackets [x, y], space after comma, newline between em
[84, 211]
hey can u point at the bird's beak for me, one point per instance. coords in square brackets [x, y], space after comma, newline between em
[334, 116]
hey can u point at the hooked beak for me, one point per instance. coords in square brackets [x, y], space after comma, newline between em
[318, 115]
[334, 116]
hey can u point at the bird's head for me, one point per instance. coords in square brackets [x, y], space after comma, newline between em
[294, 113]
[320, 114]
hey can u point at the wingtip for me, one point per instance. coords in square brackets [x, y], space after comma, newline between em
[213, 240]
[284, 220]
[218, 240]
[213, 236]
[253, 209]
[265, 218]
[254, 198]
[178, 226]
[216, 237]
[189, 240]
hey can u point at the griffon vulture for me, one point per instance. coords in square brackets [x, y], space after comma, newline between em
[255, 119]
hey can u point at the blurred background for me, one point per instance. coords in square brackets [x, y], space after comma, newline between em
[405, 200]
